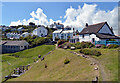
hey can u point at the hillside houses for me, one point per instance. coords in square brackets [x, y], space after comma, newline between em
[13, 35]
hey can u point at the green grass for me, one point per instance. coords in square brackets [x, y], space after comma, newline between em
[78, 69]
[25, 58]
[109, 59]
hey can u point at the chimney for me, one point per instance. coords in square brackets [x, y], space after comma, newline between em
[86, 25]
[73, 29]
[111, 28]
[63, 28]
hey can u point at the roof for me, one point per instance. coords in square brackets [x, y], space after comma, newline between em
[93, 28]
[15, 43]
[67, 31]
[106, 36]
[57, 31]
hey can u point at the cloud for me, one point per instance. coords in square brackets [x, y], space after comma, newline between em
[15, 23]
[88, 13]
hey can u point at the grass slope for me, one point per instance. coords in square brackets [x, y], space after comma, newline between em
[25, 57]
[109, 60]
[78, 69]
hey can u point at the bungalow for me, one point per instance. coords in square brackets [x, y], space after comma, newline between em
[63, 34]
[40, 31]
[97, 32]
[13, 46]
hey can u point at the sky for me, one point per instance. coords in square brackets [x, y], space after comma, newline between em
[74, 14]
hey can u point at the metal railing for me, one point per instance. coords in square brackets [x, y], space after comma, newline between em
[107, 42]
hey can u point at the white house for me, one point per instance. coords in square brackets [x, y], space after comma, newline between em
[97, 32]
[56, 25]
[63, 34]
[25, 34]
[13, 35]
[20, 29]
[74, 39]
[13, 29]
[40, 31]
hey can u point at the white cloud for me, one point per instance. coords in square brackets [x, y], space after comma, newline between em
[75, 17]
[15, 23]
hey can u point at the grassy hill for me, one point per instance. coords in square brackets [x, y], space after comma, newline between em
[78, 69]
[22, 58]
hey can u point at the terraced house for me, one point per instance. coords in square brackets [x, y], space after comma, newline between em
[64, 33]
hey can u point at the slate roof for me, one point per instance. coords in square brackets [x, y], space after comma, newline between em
[15, 43]
[93, 28]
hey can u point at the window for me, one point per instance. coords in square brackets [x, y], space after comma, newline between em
[83, 36]
[40, 31]
[93, 39]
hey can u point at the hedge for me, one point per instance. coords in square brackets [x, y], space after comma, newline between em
[90, 52]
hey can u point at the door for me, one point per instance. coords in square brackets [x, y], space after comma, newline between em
[93, 40]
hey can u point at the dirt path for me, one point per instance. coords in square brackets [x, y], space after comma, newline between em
[100, 66]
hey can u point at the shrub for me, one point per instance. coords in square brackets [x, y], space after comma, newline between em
[112, 46]
[103, 46]
[61, 42]
[79, 45]
[90, 52]
[66, 61]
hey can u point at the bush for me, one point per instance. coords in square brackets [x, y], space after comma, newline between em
[66, 61]
[81, 45]
[103, 46]
[112, 46]
[90, 52]
[61, 42]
